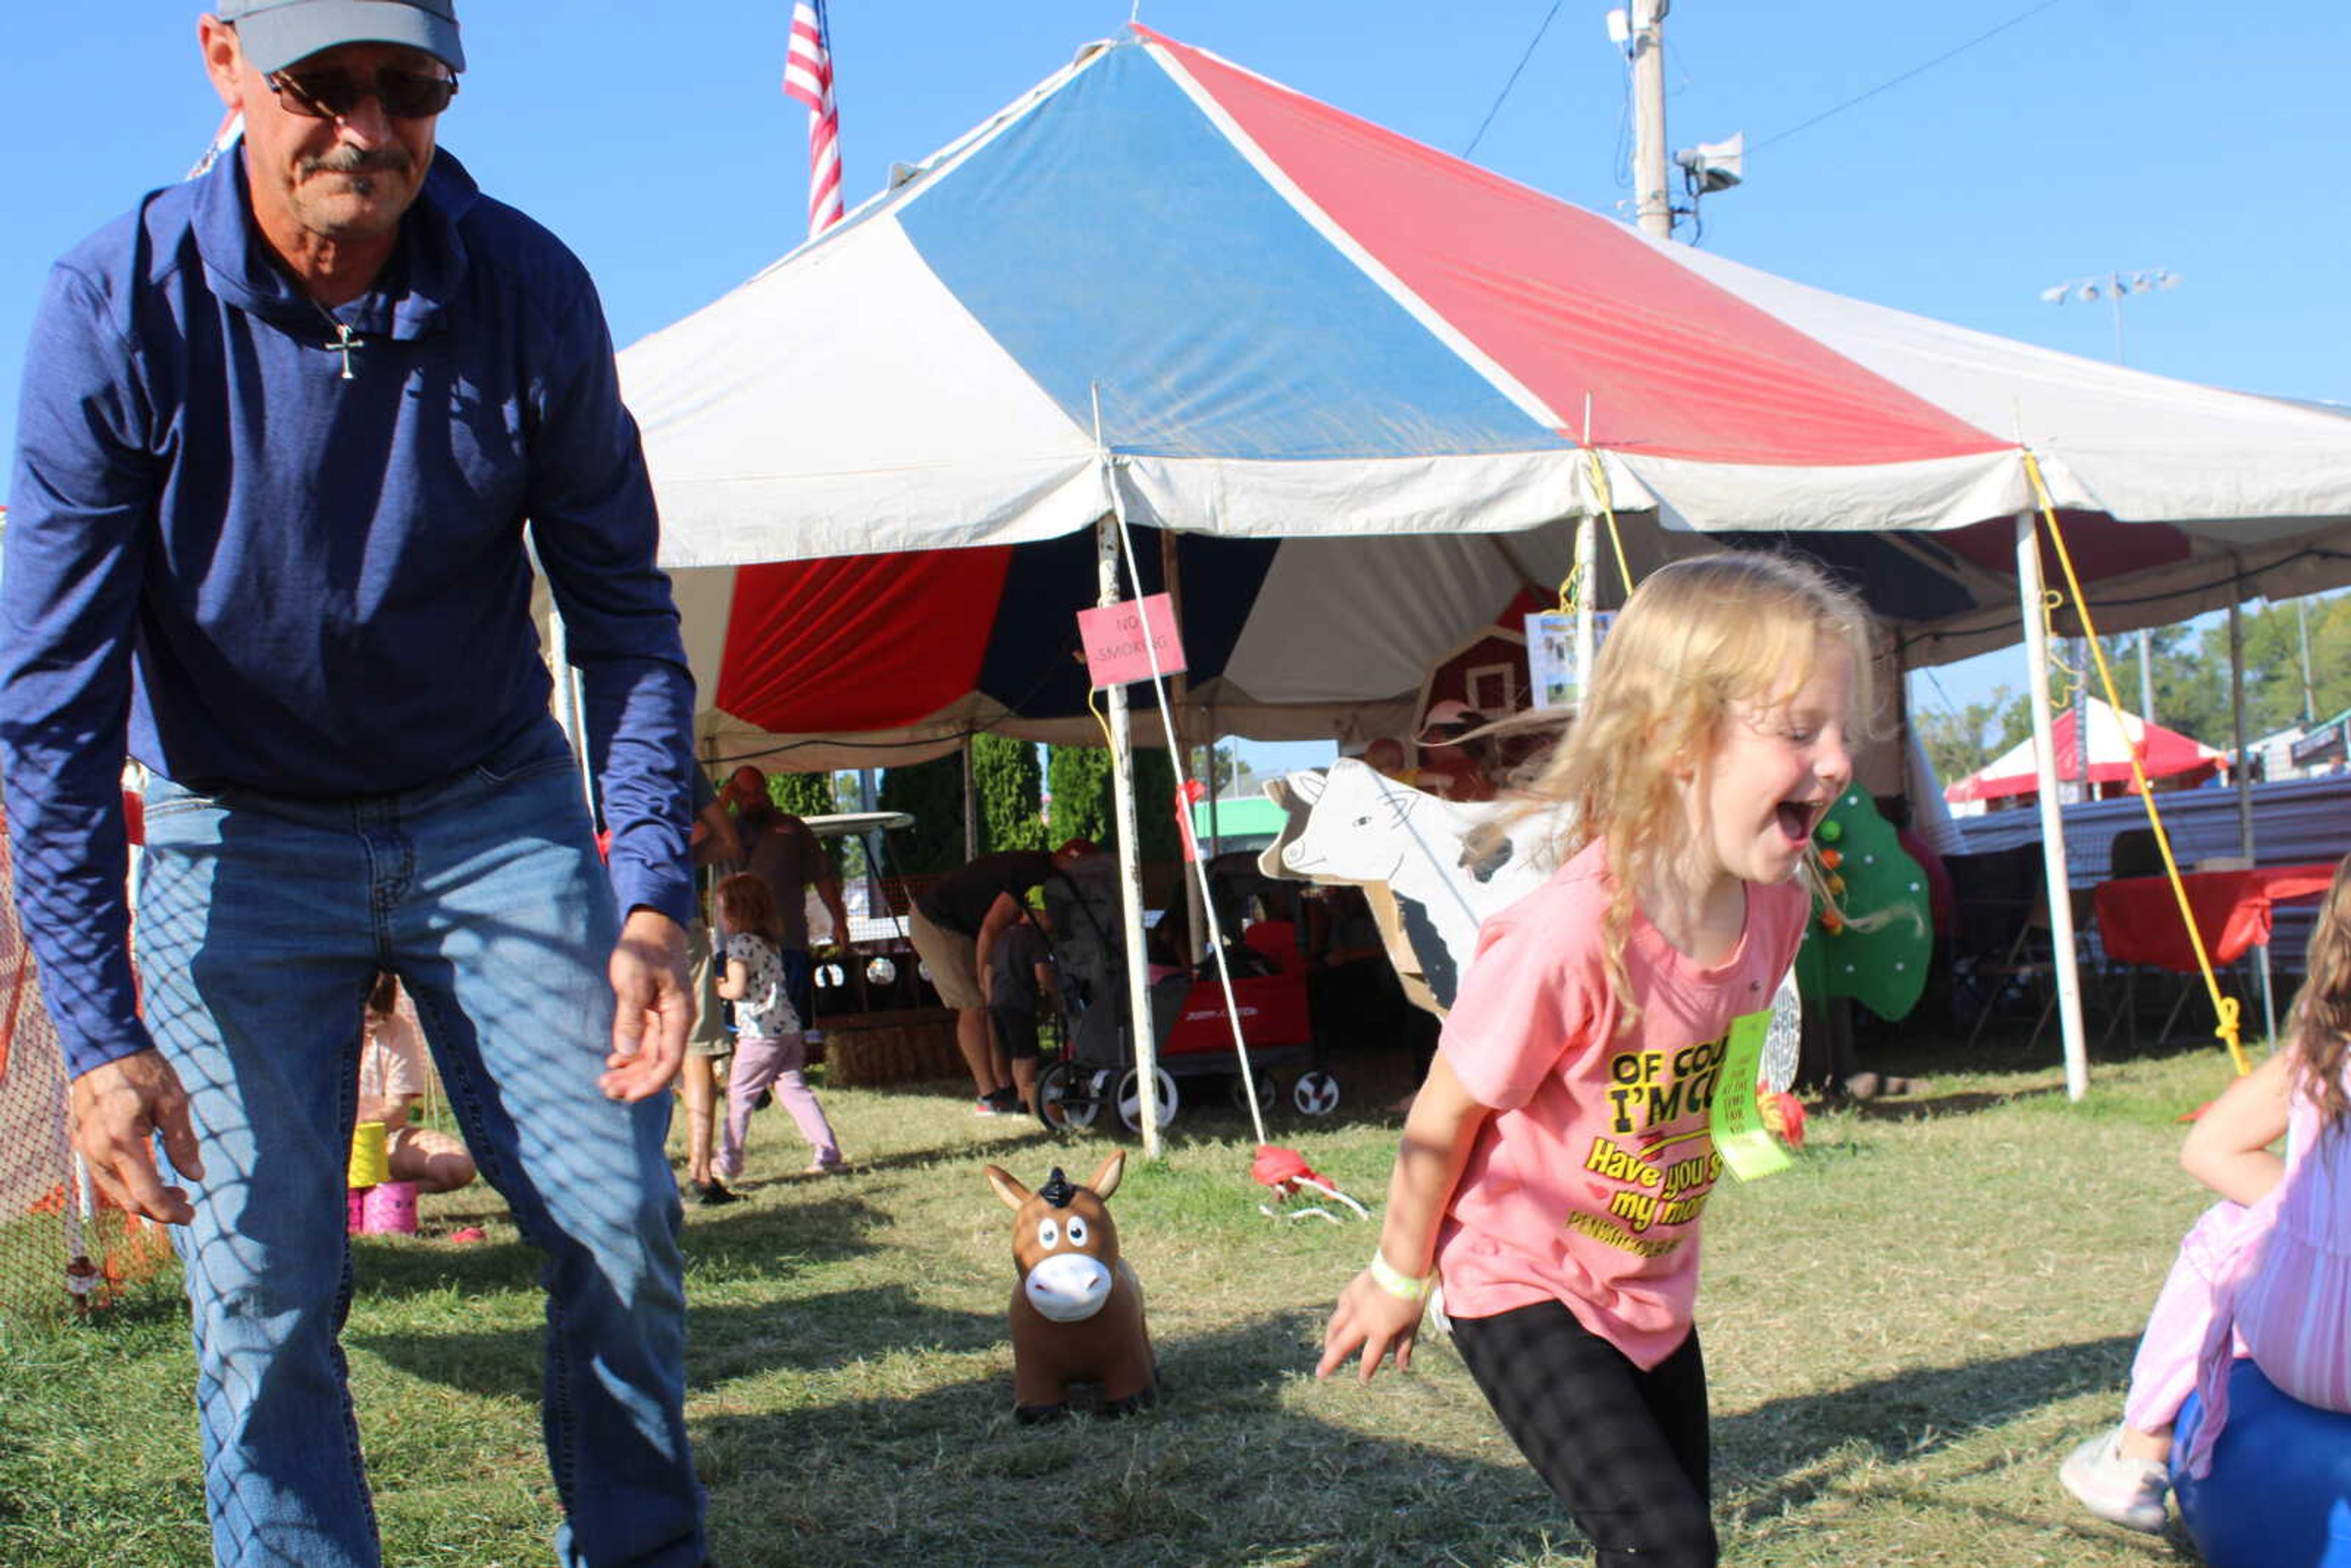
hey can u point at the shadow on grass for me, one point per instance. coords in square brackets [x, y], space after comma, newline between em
[1780, 1448]
[1016, 1136]
[1923, 1501]
[1927, 1107]
[1225, 1472]
[725, 1341]
[1208, 1103]
[1220, 1123]
[751, 1237]
[1228, 1469]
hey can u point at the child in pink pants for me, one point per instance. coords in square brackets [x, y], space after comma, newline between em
[769, 1047]
[2266, 1273]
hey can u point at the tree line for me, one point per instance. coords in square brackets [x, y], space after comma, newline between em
[2191, 682]
[1022, 805]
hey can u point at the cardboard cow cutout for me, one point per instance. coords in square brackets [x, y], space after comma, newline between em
[1434, 870]
[1445, 868]
[1077, 1308]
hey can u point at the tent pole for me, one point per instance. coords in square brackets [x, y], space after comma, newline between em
[2053, 813]
[1216, 846]
[971, 850]
[1130, 861]
[2245, 793]
[1179, 743]
[1587, 570]
[568, 713]
[2083, 663]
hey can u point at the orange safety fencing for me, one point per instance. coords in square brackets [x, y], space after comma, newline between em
[61, 1249]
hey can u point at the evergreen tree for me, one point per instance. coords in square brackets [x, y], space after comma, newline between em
[1957, 743]
[802, 794]
[932, 793]
[1010, 786]
[1154, 805]
[1232, 775]
[1082, 804]
[1079, 778]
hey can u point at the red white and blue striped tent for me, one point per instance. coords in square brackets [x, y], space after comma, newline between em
[1368, 385]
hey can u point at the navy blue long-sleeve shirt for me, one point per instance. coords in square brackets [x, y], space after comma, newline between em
[242, 569]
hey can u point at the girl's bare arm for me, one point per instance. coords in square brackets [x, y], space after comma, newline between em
[1438, 1137]
[2229, 1149]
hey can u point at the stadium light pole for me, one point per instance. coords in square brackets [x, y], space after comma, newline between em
[2112, 286]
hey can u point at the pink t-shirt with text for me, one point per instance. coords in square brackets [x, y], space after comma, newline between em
[1586, 1184]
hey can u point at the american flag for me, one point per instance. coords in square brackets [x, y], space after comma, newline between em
[808, 76]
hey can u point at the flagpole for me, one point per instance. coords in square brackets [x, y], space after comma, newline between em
[807, 79]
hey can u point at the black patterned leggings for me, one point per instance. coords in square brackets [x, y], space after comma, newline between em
[1624, 1449]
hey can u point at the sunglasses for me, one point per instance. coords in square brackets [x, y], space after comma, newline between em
[332, 92]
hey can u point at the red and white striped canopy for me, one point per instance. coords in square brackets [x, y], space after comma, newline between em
[2164, 754]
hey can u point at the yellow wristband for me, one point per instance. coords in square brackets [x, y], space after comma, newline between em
[1395, 1282]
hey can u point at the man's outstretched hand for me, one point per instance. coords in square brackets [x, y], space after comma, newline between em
[653, 1007]
[117, 1109]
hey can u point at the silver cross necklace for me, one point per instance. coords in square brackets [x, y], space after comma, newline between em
[344, 342]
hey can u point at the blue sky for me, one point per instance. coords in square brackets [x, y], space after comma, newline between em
[2093, 135]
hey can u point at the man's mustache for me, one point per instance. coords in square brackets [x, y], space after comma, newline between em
[345, 160]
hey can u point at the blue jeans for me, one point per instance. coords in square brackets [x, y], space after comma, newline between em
[262, 921]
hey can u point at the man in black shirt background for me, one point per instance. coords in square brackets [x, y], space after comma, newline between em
[955, 927]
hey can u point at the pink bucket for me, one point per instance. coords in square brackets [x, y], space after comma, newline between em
[391, 1209]
[355, 1208]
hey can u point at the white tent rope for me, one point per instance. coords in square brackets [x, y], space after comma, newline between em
[1175, 754]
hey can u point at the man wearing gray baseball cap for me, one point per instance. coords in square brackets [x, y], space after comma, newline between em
[276, 32]
[285, 430]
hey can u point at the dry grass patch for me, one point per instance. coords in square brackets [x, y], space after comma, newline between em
[1905, 1332]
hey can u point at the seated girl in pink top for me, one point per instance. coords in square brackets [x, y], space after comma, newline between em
[2266, 1272]
[1557, 1159]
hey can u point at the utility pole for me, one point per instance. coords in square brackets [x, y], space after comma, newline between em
[1652, 208]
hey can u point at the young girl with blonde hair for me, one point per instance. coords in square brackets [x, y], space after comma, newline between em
[2266, 1272]
[770, 1048]
[1557, 1160]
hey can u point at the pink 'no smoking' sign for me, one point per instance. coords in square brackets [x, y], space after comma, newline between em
[1115, 651]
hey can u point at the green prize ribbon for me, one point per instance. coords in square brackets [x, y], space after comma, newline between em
[1746, 1144]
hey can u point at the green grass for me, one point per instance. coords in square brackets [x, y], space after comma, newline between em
[1905, 1332]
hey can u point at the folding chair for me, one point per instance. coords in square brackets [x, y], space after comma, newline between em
[2135, 852]
[2004, 957]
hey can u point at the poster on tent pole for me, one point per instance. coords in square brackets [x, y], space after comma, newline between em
[1550, 654]
[1117, 651]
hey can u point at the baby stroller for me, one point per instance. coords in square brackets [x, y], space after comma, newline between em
[1097, 1071]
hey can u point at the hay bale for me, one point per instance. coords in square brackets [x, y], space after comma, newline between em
[911, 1045]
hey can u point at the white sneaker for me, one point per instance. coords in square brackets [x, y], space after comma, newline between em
[2116, 1488]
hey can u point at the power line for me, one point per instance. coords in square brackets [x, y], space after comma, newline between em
[1514, 79]
[1905, 75]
